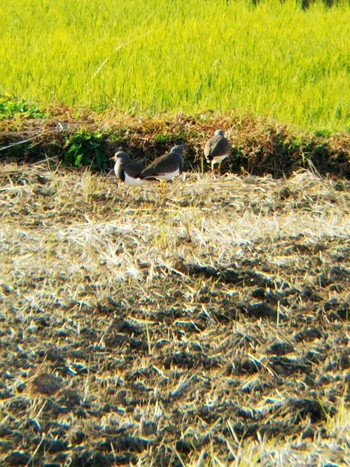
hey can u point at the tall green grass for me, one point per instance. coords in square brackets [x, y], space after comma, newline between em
[150, 56]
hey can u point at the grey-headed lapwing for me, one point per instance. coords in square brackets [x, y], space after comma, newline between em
[127, 170]
[216, 149]
[165, 167]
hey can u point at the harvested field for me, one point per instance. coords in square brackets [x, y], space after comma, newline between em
[210, 328]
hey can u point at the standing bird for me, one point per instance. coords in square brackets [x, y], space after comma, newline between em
[165, 167]
[127, 170]
[216, 149]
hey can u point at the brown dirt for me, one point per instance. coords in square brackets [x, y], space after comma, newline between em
[211, 327]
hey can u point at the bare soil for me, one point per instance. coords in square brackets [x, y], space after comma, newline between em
[206, 326]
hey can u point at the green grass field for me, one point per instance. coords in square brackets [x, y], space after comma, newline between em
[147, 57]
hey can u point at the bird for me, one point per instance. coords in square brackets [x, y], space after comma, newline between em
[165, 167]
[127, 170]
[216, 149]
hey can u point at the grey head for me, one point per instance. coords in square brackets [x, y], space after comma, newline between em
[178, 149]
[122, 156]
[124, 165]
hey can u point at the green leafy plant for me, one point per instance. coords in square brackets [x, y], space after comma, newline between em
[10, 107]
[86, 149]
[322, 133]
[163, 138]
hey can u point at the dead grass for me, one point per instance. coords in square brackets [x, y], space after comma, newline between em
[206, 330]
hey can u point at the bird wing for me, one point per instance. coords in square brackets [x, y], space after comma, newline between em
[133, 168]
[164, 164]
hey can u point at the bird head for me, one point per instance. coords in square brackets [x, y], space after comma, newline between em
[122, 156]
[219, 133]
[178, 149]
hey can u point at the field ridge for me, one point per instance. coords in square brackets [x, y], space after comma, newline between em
[259, 146]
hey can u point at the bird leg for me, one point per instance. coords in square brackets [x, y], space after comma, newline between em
[219, 163]
[213, 167]
[163, 187]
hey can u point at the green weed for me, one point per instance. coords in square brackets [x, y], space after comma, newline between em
[11, 107]
[86, 149]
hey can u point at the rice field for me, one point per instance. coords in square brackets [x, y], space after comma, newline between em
[149, 57]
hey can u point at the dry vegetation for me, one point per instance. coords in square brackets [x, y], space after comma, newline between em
[209, 329]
